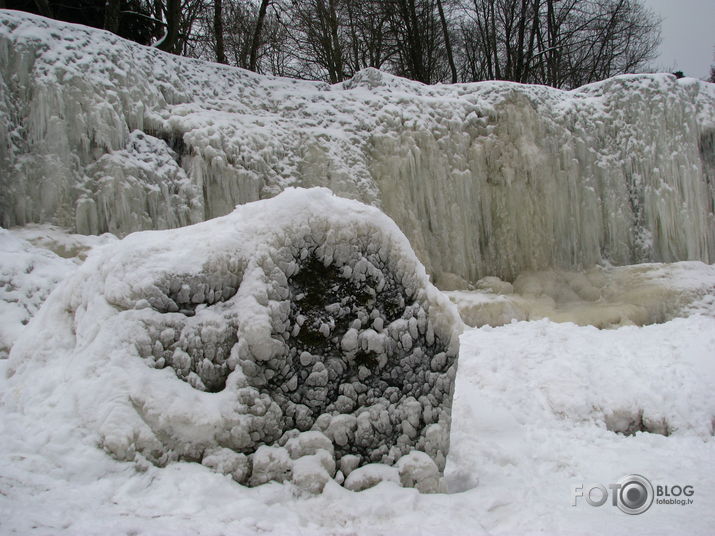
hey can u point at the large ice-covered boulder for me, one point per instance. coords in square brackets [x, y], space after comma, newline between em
[269, 344]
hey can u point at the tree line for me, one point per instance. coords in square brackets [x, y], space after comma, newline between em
[560, 43]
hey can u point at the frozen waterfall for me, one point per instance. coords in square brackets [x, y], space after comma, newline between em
[99, 134]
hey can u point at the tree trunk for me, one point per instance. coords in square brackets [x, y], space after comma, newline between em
[112, 10]
[173, 19]
[532, 36]
[43, 6]
[256, 42]
[447, 43]
[521, 35]
[218, 31]
[335, 49]
[493, 39]
[552, 54]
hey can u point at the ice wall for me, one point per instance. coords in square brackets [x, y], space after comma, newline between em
[100, 134]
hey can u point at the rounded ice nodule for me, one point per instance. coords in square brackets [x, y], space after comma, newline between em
[269, 344]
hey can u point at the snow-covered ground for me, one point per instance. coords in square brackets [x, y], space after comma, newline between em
[34, 260]
[528, 425]
[537, 411]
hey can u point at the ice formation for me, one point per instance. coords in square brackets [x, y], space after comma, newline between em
[297, 338]
[100, 134]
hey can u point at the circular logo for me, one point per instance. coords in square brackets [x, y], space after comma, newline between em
[635, 494]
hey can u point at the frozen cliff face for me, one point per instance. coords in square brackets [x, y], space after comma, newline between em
[269, 344]
[100, 134]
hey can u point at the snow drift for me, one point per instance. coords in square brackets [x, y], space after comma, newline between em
[100, 134]
[304, 329]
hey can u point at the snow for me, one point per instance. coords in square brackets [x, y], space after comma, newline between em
[537, 411]
[530, 422]
[371, 475]
[622, 170]
[27, 275]
[539, 408]
[35, 259]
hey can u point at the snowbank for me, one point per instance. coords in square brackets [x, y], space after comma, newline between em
[655, 379]
[100, 134]
[604, 296]
[267, 344]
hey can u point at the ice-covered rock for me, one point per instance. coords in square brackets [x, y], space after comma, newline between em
[417, 470]
[270, 464]
[312, 472]
[228, 462]
[493, 178]
[371, 475]
[225, 343]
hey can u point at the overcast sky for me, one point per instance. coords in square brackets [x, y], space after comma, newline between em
[688, 35]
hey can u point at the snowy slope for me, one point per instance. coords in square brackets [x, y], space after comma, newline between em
[100, 134]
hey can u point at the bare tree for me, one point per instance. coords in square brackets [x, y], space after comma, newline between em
[319, 50]
[256, 41]
[218, 31]
[447, 43]
[562, 43]
[421, 52]
[367, 31]
[170, 41]
[237, 32]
